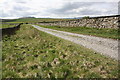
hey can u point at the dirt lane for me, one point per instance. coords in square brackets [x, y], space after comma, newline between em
[107, 47]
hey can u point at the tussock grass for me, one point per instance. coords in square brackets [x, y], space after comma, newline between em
[34, 54]
[100, 32]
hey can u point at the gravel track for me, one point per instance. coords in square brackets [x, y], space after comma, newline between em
[107, 47]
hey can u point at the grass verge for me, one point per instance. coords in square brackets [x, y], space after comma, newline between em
[34, 54]
[106, 33]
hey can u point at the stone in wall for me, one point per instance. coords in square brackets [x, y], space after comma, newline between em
[98, 22]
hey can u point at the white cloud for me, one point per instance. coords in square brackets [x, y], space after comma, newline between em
[54, 8]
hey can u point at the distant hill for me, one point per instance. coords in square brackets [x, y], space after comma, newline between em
[34, 20]
[26, 17]
[7, 20]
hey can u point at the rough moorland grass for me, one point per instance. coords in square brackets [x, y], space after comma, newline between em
[31, 53]
[106, 33]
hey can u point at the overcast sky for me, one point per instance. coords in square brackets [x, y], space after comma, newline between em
[57, 8]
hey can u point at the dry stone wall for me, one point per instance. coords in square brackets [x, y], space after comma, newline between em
[98, 22]
[10, 30]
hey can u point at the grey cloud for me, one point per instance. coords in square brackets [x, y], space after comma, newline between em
[20, 8]
[67, 9]
[97, 12]
[21, 1]
[22, 13]
[3, 14]
[119, 7]
[70, 6]
[18, 11]
[90, 12]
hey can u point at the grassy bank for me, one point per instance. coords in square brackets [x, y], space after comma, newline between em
[106, 33]
[31, 53]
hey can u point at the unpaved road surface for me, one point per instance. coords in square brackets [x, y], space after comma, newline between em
[107, 47]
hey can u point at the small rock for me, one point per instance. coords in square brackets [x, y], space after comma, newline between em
[36, 55]
[95, 53]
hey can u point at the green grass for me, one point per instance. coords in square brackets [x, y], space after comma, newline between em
[34, 54]
[34, 20]
[106, 33]
[6, 26]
